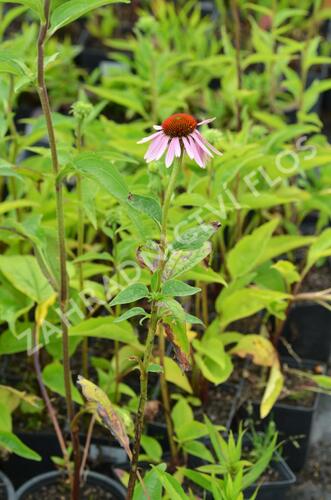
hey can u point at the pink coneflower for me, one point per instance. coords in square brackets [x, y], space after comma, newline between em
[178, 133]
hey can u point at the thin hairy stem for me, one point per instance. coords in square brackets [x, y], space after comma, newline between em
[151, 331]
[50, 409]
[44, 100]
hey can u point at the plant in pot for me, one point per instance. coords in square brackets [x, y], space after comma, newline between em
[239, 467]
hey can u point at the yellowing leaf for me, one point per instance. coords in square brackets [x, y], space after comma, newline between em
[174, 374]
[42, 309]
[258, 348]
[272, 391]
[106, 412]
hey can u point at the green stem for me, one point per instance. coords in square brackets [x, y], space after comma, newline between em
[43, 95]
[13, 149]
[236, 19]
[151, 331]
[80, 243]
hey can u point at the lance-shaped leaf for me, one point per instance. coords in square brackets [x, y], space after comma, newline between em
[11, 443]
[176, 288]
[71, 10]
[272, 390]
[193, 238]
[106, 412]
[130, 294]
[131, 313]
[181, 261]
[320, 248]
[146, 205]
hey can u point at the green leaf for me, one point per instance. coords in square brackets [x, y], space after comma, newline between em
[204, 274]
[9, 64]
[193, 238]
[279, 245]
[213, 361]
[13, 444]
[152, 448]
[13, 304]
[73, 9]
[198, 449]
[24, 273]
[176, 288]
[130, 294]
[8, 206]
[181, 413]
[191, 430]
[104, 172]
[152, 484]
[35, 5]
[131, 313]
[260, 466]
[7, 169]
[155, 368]
[245, 255]
[182, 261]
[5, 418]
[11, 344]
[200, 479]
[320, 248]
[171, 485]
[146, 205]
[245, 302]
[53, 378]
[104, 328]
[193, 320]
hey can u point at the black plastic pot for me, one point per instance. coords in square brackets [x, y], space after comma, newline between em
[6, 488]
[274, 490]
[45, 443]
[33, 486]
[294, 423]
[308, 331]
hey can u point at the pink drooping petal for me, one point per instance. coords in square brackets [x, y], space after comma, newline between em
[209, 120]
[157, 127]
[162, 147]
[178, 149]
[214, 150]
[188, 148]
[201, 144]
[196, 151]
[170, 154]
[149, 138]
[154, 148]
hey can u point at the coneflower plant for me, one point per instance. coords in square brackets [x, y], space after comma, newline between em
[177, 135]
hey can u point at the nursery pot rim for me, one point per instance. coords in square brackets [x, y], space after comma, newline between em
[8, 485]
[48, 477]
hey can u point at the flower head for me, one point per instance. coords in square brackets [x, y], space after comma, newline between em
[177, 134]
